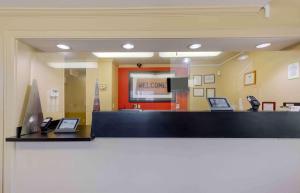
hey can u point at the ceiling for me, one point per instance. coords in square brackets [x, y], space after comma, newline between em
[160, 45]
[89, 57]
[129, 3]
[81, 49]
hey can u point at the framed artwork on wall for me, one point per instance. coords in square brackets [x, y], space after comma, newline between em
[198, 92]
[209, 79]
[250, 78]
[293, 71]
[150, 87]
[269, 106]
[197, 80]
[210, 92]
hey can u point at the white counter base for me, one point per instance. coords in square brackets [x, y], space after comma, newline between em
[159, 166]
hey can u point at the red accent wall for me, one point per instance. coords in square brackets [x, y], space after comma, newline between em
[123, 89]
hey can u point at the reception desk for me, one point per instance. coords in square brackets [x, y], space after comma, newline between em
[197, 124]
[153, 161]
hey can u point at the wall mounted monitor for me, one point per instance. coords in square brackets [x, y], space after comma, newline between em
[178, 84]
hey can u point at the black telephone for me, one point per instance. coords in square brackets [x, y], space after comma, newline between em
[254, 103]
[45, 124]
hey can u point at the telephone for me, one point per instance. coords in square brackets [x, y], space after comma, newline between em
[45, 124]
[254, 103]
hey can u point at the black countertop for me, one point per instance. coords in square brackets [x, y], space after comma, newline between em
[196, 124]
[83, 134]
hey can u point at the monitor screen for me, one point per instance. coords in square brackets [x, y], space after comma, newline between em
[68, 124]
[178, 84]
[218, 103]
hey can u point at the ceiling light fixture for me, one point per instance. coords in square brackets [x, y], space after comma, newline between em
[63, 46]
[264, 45]
[128, 46]
[243, 57]
[124, 54]
[195, 46]
[73, 64]
[188, 54]
[186, 60]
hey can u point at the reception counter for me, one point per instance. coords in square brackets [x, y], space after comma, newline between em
[180, 125]
[197, 124]
[153, 161]
[83, 134]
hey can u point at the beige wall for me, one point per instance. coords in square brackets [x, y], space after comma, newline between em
[31, 65]
[91, 76]
[114, 85]
[272, 81]
[200, 103]
[107, 74]
[75, 90]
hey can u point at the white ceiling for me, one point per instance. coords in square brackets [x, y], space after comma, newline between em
[82, 48]
[160, 45]
[129, 3]
[87, 56]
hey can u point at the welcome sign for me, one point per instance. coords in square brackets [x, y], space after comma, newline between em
[150, 87]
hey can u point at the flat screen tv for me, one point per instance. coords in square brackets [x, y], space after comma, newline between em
[178, 84]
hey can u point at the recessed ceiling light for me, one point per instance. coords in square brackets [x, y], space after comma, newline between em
[195, 46]
[243, 57]
[264, 45]
[128, 46]
[186, 60]
[73, 64]
[188, 54]
[124, 54]
[63, 46]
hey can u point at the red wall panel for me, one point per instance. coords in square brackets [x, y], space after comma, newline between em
[123, 89]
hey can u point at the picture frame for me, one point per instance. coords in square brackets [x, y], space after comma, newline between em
[250, 78]
[197, 80]
[141, 86]
[198, 92]
[269, 106]
[209, 79]
[293, 71]
[210, 92]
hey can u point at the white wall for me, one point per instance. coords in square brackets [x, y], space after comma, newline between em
[159, 166]
[33, 65]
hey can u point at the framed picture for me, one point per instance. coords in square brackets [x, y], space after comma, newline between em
[197, 80]
[250, 78]
[293, 71]
[198, 92]
[210, 92]
[209, 79]
[268, 106]
[150, 87]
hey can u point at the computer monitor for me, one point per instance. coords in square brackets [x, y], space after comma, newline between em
[178, 84]
[219, 105]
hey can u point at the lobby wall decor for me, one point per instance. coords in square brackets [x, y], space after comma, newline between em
[250, 78]
[150, 86]
[197, 80]
[198, 92]
[210, 92]
[269, 106]
[123, 90]
[209, 79]
[293, 71]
